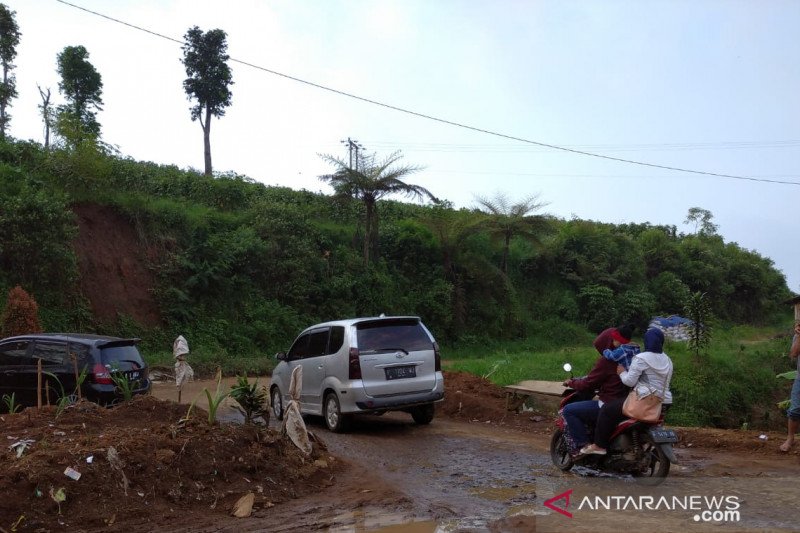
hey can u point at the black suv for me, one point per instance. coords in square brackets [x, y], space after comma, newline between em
[102, 357]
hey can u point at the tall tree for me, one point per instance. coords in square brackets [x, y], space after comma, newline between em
[209, 77]
[701, 218]
[507, 220]
[9, 39]
[370, 181]
[82, 87]
[47, 114]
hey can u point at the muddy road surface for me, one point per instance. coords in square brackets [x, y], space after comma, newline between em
[489, 475]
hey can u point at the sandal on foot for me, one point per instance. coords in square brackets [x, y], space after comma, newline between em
[591, 449]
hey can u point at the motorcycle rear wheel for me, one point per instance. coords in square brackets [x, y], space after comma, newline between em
[559, 451]
[657, 463]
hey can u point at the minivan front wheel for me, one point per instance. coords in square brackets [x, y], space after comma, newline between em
[277, 403]
[334, 419]
[423, 414]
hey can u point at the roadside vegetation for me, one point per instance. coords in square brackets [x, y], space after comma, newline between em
[241, 268]
[732, 386]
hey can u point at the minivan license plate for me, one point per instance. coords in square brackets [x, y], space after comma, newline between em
[401, 372]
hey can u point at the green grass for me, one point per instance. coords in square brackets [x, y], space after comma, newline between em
[733, 384]
[205, 363]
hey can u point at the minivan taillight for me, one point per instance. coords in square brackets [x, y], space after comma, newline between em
[354, 365]
[437, 359]
[101, 374]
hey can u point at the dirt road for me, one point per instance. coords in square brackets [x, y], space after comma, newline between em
[455, 475]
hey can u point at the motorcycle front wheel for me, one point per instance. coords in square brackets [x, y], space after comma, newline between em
[559, 451]
[655, 465]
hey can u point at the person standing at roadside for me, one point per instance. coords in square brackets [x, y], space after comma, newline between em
[602, 378]
[793, 413]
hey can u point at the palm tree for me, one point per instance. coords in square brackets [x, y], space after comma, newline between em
[507, 220]
[370, 181]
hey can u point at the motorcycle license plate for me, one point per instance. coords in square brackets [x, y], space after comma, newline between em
[663, 435]
[401, 372]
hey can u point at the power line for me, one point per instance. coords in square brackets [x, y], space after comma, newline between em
[441, 120]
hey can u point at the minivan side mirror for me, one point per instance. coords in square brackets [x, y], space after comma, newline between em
[281, 356]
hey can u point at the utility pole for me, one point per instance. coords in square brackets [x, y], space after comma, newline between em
[352, 146]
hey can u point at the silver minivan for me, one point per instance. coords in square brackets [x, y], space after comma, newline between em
[362, 365]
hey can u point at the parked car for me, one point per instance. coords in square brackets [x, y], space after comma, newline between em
[103, 358]
[362, 365]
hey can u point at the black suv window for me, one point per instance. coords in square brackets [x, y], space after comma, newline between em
[405, 334]
[51, 353]
[14, 353]
[125, 353]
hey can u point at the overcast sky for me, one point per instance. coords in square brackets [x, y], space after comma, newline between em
[710, 86]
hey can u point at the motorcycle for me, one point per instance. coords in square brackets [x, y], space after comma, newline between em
[641, 449]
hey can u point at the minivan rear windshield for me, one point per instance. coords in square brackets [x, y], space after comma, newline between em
[408, 335]
[119, 354]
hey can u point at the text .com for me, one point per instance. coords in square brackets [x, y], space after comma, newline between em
[718, 516]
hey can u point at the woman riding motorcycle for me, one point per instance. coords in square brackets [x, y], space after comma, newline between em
[602, 378]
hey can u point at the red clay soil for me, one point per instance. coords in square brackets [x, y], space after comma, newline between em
[178, 472]
[113, 275]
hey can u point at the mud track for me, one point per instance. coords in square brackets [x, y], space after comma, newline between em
[492, 472]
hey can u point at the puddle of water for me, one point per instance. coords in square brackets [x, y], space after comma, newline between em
[505, 494]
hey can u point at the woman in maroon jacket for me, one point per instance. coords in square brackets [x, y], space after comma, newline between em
[602, 378]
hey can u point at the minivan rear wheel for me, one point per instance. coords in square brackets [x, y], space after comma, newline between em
[334, 419]
[423, 414]
[277, 403]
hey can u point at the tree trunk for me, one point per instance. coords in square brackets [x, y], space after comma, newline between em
[504, 264]
[369, 204]
[3, 104]
[207, 141]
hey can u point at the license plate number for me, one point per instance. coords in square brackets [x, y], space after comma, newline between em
[133, 375]
[664, 435]
[401, 372]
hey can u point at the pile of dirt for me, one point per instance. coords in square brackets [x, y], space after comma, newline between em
[475, 399]
[737, 440]
[166, 469]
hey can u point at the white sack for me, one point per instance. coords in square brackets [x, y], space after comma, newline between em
[180, 347]
[183, 373]
[293, 424]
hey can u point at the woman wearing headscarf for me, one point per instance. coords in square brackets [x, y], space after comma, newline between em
[650, 373]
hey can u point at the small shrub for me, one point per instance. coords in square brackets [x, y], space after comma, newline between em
[11, 404]
[252, 400]
[215, 401]
[21, 315]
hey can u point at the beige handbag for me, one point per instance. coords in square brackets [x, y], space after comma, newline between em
[645, 408]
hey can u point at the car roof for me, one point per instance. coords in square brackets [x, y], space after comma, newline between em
[351, 321]
[82, 338]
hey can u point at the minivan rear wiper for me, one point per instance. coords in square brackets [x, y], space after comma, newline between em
[392, 350]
